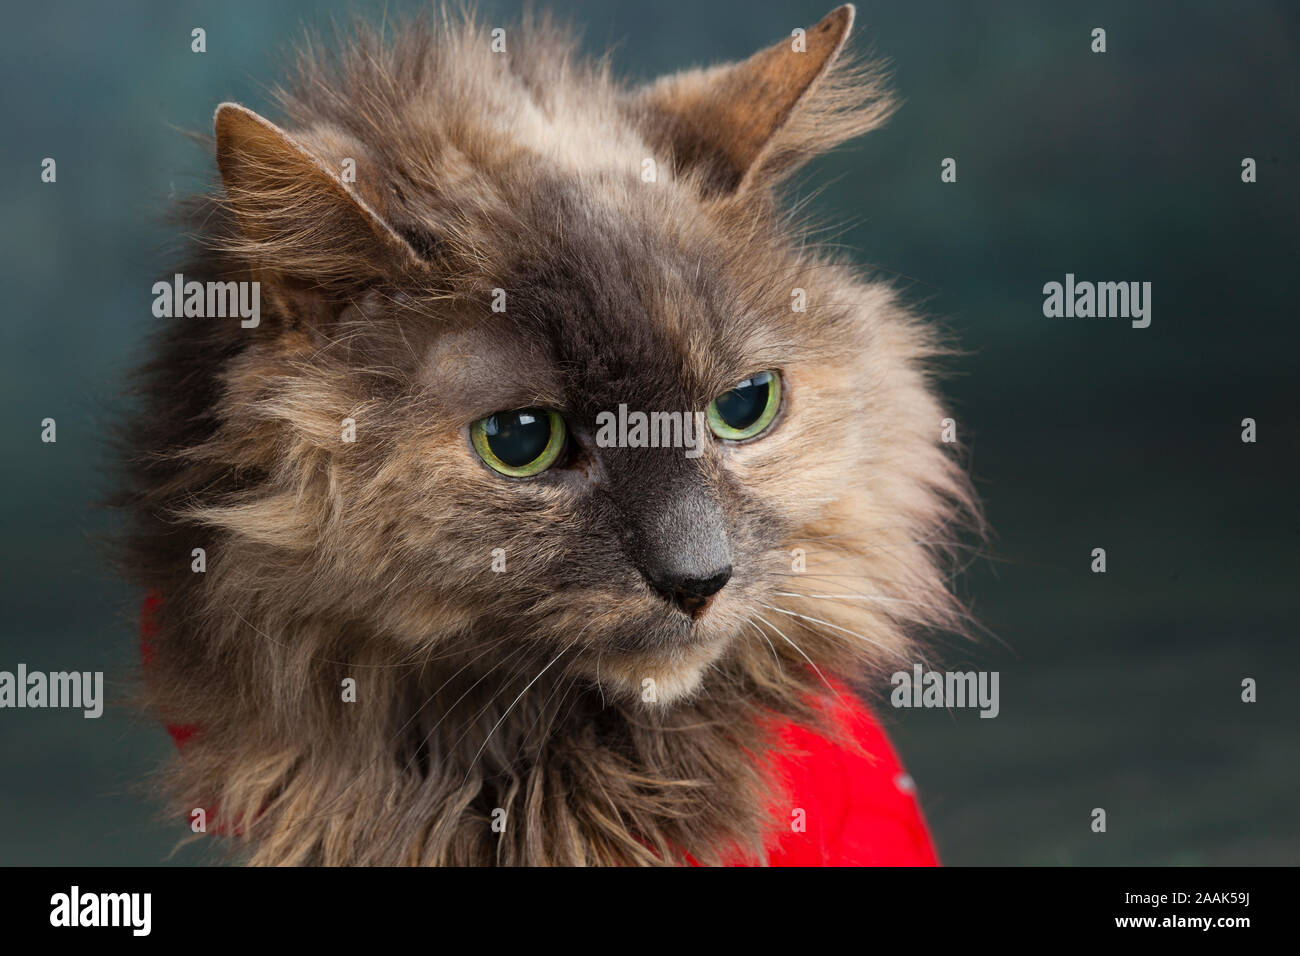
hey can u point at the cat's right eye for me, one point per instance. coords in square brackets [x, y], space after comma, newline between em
[519, 443]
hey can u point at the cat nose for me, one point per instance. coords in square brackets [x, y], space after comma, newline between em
[692, 593]
[676, 534]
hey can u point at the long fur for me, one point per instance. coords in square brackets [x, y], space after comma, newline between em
[514, 696]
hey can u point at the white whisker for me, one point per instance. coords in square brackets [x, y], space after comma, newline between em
[487, 739]
[863, 597]
[814, 620]
[775, 656]
[800, 650]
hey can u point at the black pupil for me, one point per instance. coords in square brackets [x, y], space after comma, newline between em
[518, 438]
[744, 404]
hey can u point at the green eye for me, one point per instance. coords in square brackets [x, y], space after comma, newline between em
[520, 443]
[748, 409]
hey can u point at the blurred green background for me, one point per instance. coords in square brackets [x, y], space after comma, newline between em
[1119, 690]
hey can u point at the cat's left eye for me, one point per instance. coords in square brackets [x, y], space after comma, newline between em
[748, 409]
[520, 443]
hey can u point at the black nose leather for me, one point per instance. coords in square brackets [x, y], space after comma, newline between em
[692, 594]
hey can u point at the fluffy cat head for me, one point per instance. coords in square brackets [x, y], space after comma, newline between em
[448, 229]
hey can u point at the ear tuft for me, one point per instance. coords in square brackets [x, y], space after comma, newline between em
[296, 216]
[750, 123]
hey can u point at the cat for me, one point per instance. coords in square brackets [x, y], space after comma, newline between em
[405, 609]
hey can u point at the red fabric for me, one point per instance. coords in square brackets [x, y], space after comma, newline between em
[858, 809]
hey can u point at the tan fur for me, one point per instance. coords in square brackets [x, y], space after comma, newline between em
[370, 560]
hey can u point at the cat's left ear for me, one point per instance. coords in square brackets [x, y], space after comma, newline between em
[747, 124]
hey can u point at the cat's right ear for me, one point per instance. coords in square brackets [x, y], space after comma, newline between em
[747, 125]
[297, 219]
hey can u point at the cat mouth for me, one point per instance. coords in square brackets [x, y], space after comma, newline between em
[654, 666]
[676, 625]
[676, 633]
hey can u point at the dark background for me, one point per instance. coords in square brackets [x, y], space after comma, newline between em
[1119, 690]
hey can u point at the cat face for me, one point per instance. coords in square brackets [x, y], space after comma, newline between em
[485, 297]
[647, 562]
